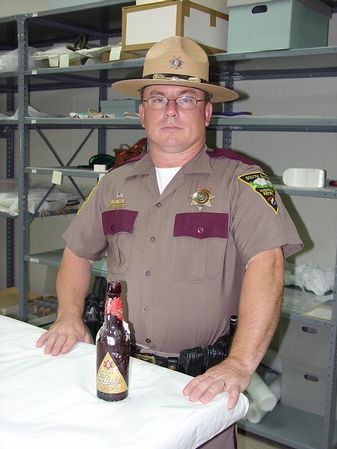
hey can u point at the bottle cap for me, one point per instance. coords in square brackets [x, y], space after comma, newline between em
[114, 287]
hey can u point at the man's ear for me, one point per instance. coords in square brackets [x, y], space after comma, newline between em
[141, 114]
[208, 112]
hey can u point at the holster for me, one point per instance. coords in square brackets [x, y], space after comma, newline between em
[196, 361]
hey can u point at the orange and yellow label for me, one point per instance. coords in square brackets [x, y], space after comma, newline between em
[109, 378]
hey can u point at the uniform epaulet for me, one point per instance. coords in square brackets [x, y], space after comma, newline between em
[229, 154]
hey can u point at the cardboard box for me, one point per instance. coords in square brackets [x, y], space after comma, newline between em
[277, 24]
[303, 387]
[304, 342]
[217, 5]
[143, 26]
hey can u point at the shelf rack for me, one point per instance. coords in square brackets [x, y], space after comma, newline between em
[8, 30]
[101, 21]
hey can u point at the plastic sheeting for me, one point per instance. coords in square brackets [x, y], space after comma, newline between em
[50, 402]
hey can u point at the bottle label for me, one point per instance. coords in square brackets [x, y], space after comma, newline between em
[109, 378]
[114, 306]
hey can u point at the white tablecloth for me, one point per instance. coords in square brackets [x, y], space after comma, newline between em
[49, 402]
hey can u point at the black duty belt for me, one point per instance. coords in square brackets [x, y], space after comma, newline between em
[166, 362]
[193, 361]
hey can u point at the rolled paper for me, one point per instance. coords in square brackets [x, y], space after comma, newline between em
[254, 414]
[261, 394]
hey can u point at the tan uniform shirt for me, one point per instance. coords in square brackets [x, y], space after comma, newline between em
[183, 260]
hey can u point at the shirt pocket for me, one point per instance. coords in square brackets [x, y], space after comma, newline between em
[118, 226]
[199, 245]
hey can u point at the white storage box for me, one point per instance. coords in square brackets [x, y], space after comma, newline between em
[217, 5]
[145, 25]
[304, 342]
[277, 24]
[303, 387]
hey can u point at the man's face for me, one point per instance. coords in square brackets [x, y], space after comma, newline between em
[173, 129]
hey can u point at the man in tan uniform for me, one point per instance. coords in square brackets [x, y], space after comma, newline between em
[198, 235]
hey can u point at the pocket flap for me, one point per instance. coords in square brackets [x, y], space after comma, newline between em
[201, 225]
[115, 221]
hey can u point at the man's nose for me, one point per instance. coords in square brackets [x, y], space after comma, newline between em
[171, 108]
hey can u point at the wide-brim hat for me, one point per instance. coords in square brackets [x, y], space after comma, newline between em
[176, 61]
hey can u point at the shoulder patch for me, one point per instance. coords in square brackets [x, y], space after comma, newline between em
[262, 185]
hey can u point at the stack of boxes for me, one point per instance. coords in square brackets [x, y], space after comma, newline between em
[223, 25]
[303, 348]
[233, 25]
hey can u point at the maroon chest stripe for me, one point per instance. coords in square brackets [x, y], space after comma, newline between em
[201, 225]
[115, 221]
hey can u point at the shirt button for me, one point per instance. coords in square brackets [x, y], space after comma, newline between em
[200, 230]
[148, 340]
[112, 228]
[158, 204]
[153, 238]
[148, 273]
[146, 308]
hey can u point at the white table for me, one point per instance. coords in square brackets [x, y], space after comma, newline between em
[50, 402]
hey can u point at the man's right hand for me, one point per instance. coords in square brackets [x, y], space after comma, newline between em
[63, 335]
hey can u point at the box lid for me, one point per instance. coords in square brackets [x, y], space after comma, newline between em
[317, 5]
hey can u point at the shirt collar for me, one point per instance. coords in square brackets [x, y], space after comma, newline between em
[199, 164]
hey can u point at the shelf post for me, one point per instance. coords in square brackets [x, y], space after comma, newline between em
[23, 218]
[330, 391]
[10, 173]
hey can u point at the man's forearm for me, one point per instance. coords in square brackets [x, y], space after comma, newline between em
[72, 284]
[260, 307]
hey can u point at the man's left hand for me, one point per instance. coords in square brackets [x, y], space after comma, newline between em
[229, 376]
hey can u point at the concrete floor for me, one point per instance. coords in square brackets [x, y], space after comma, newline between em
[248, 441]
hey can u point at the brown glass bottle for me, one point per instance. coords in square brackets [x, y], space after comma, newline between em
[113, 349]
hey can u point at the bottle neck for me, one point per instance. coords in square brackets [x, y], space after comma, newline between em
[113, 307]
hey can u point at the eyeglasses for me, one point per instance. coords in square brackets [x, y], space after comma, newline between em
[183, 102]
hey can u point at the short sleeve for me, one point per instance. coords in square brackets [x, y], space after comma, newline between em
[85, 236]
[260, 220]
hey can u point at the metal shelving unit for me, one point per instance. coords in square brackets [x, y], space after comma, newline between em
[285, 425]
[7, 131]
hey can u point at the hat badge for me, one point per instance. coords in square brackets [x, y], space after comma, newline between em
[176, 62]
